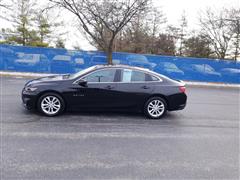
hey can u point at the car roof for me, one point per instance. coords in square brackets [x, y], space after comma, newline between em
[103, 66]
[122, 66]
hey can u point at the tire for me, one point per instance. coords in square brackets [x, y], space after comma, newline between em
[155, 108]
[51, 104]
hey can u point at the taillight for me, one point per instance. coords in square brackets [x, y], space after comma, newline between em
[182, 89]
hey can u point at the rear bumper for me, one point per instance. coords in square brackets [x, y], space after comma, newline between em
[177, 102]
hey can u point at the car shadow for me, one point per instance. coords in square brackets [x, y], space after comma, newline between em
[170, 118]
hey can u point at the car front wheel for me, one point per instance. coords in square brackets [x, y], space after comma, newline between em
[155, 108]
[51, 104]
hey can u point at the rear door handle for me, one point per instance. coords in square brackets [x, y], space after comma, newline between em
[145, 87]
[109, 87]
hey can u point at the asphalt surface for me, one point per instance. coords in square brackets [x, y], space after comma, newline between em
[200, 142]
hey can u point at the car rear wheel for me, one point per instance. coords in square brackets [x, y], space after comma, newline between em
[155, 108]
[51, 104]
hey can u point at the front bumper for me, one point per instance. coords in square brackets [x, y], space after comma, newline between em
[29, 100]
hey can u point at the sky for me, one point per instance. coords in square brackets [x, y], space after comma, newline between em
[173, 10]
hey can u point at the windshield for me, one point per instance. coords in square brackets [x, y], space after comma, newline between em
[84, 71]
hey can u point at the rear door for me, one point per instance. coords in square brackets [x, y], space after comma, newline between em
[135, 87]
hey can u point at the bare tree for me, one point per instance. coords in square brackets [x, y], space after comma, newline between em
[3, 4]
[218, 31]
[182, 32]
[60, 43]
[197, 45]
[134, 36]
[154, 20]
[234, 19]
[165, 45]
[237, 40]
[142, 33]
[102, 20]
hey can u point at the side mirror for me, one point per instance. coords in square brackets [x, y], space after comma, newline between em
[82, 82]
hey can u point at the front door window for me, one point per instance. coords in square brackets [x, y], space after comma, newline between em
[101, 76]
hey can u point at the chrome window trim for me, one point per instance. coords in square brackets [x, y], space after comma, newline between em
[121, 68]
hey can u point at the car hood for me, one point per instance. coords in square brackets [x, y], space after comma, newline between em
[55, 78]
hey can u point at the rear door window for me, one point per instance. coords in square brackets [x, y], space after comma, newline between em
[129, 75]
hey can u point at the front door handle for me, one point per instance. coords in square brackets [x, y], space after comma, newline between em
[145, 87]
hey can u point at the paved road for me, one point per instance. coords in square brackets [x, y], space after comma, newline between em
[200, 142]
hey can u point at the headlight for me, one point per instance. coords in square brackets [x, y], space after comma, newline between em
[30, 89]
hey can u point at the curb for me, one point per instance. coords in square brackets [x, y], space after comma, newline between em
[188, 83]
[23, 74]
[206, 84]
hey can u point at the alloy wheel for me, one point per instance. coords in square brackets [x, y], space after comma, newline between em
[50, 105]
[156, 108]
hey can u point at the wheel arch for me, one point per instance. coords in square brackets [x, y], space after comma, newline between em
[161, 96]
[50, 91]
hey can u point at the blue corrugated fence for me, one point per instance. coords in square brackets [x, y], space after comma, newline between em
[49, 60]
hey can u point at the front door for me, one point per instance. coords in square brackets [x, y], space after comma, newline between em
[100, 92]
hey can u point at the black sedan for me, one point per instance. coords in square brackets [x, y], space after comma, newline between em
[106, 87]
